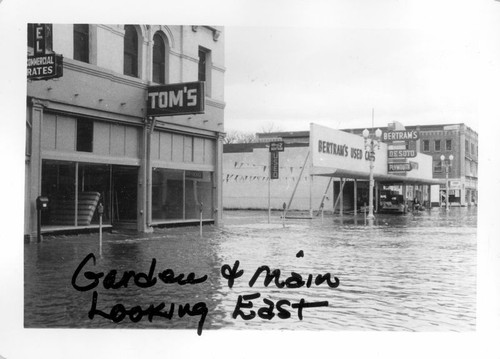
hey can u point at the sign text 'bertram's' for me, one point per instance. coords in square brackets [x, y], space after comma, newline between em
[340, 150]
[176, 99]
[400, 135]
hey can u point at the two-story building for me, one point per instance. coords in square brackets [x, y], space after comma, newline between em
[90, 141]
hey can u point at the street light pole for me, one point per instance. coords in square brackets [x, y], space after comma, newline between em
[372, 141]
[447, 165]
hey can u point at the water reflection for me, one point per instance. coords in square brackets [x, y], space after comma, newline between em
[408, 272]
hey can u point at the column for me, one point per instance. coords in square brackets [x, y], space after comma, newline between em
[341, 194]
[35, 168]
[355, 197]
[143, 184]
[218, 181]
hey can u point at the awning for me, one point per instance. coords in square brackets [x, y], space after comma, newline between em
[388, 179]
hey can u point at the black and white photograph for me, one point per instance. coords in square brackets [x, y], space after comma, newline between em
[222, 179]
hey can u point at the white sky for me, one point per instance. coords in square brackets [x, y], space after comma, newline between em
[416, 64]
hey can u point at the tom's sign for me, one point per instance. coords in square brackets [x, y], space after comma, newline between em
[176, 99]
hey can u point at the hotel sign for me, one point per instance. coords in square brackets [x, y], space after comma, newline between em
[44, 65]
[176, 99]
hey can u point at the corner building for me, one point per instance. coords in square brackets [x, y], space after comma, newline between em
[89, 139]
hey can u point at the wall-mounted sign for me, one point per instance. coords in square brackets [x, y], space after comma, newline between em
[400, 135]
[401, 153]
[398, 167]
[334, 150]
[45, 67]
[44, 64]
[277, 146]
[176, 99]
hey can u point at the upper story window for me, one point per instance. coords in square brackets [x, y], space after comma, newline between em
[426, 145]
[131, 52]
[81, 42]
[204, 66]
[437, 145]
[466, 146]
[438, 166]
[448, 145]
[158, 59]
[472, 149]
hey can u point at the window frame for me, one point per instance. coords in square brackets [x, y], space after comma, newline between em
[437, 145]
[426, 148]
[204, 68]
[162, 64]
[131, 52]
[450, 147]
[85, 42]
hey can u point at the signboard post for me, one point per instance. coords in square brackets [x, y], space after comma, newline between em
[274, 170]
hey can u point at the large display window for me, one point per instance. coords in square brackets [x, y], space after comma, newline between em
[179, 195]
[75, 190]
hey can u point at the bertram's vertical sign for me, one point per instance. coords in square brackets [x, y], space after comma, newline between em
[176, 99]
[43, 65]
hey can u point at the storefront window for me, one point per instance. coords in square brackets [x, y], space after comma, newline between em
[198, 194]
[167, 194]
[76, 189]
[179, 195]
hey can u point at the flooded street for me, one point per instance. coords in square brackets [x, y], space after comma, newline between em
[404, 273]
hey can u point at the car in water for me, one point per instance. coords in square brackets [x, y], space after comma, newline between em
[392, 203]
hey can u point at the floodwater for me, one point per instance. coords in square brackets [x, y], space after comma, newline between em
[414, 272]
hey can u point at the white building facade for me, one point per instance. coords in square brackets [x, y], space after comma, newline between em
[90, 140]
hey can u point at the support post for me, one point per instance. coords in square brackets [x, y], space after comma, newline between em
[310, 195]
[355, 197]
[100, 211]
[341, 195]
[269, 195]
[297, 184]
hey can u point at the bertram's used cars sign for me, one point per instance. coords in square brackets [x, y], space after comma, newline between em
[176, 99]
[338, 150]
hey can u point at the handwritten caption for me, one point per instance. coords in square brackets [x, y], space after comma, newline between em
[112, 280]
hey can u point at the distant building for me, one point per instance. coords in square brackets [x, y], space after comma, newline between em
[90, 141]
[458, 140]
[332, 174]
